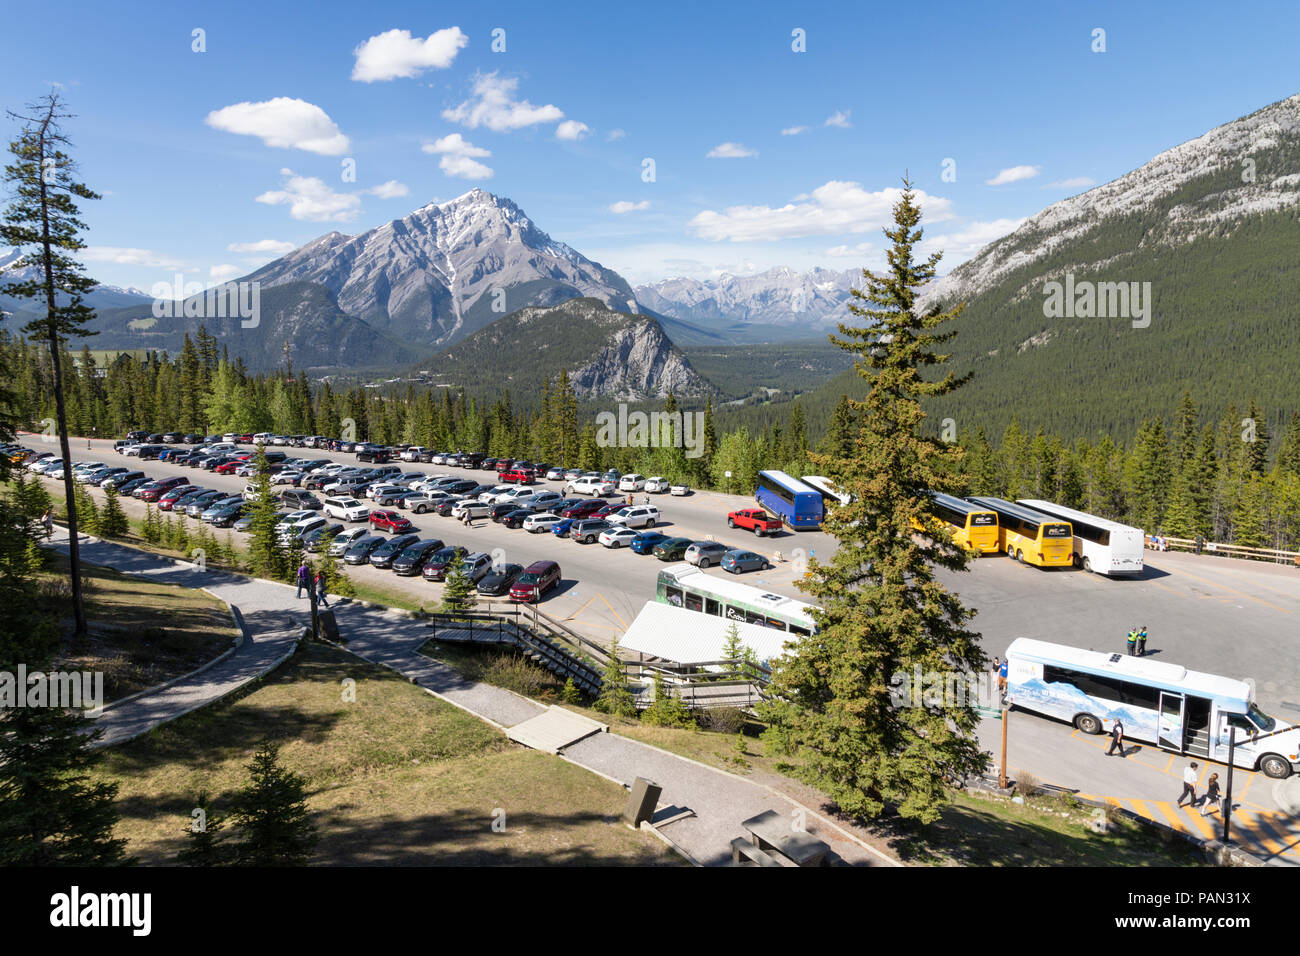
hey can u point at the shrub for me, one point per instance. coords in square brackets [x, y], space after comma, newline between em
[723, 720]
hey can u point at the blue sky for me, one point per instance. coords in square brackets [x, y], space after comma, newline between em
[183, 143]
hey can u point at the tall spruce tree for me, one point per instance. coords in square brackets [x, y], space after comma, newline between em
[42, 222]
[882, 610]
[272, 816]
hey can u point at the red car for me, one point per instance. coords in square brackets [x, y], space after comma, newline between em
[584, 509]
[538, 578]
[170, 498]
[390, 521]
[504, 465]
[161, 487]
[228, 467]
[522, 476]
[754, 519]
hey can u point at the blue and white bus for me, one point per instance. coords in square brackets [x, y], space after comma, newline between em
[798, 505]
[1159, 702]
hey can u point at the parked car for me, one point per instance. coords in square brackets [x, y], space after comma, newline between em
[738, 562]
[346, 508]
[301, 499]
[303, 527]
[589, 486]
[207, 500]
[673, 549]
[633, 482]
[636, 516]
[413, 453]
[679, 490]
[411, 561]
[156, 489]
[754, 519]
[129, 487]
[519, 476]
[436, 567]
[539, 523]
[498, 511]
[588, 530]
[345, 539]
[117, 481]
[645, 542]
[617, 537]
[555, 474]
[538, 578]
[383, 556]
[476, 565]
[500, 579]
[475, 509]
[393, 522]
[516, 518]
[704, 554]
[360, 550]
[584, 509]
[448, 505]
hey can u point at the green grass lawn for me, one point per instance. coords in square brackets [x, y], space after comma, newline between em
[142, 633]
[397, 777]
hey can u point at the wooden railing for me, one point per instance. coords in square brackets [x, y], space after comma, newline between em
[1275, 555]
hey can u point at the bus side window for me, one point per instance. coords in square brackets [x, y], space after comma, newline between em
[735, 613]
[774, 623]
[712, 607]
[802, 632]
[753, 617]
[694, 602]
[674, 596]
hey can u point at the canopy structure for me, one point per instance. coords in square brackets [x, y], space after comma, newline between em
[690, 637]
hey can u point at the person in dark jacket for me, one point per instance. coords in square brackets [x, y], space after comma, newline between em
[1212, 796]
[1116, 739]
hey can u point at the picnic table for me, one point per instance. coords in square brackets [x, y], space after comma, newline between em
[771, 832]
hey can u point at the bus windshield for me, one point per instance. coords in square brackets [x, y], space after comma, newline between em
[1057, 531]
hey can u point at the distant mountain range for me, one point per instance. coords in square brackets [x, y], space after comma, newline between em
[804, 302]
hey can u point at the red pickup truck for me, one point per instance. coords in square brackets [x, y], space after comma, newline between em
[755, 519]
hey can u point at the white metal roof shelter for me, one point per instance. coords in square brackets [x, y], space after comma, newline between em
[689, 637]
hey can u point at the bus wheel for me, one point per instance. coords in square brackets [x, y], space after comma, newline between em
[1088, 724]
[1274, 766]
[1020, 557]
[1087, 565]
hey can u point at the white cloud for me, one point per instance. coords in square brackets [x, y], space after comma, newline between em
[614, 134]
[396, 53]
[839, 118]
[389, 190]
[834, 208]
[459, 157]
[310, 199]
[493, 105]
[1013, 174]
[272, 247]
[571, 129]
[794, 130]
[960, 245]
[1076, 182]
[624, 206]
[283, 122]
[731, 151]
[223, 273]
[131, 257]
[849, 252]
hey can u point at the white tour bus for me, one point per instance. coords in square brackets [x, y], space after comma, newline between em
[1100, 545]
[1162, 703]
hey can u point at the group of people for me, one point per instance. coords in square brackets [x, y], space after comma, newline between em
[1137, 641]
[317, 584]
[1213, 799]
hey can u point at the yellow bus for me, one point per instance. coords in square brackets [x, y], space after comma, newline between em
[1031, 536]
[973, 527]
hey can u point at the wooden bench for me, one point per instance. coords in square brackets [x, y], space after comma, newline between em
[740, 847]
[771, 831]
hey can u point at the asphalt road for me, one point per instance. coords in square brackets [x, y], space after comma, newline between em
[1219, 615]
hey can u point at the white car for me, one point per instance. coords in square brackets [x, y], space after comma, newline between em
[512, 493]
[345, 539]
[412, 454]
[631, 482]
[475, 509]
[555, 474]
[656, 485]
[346, 508]
[589, 486]
[617, 537]
[423, 501]
[542, 500]
[680, 490]
[288, 477]
[428, 484]
[635, 516]
[288, 530]
[537, 524]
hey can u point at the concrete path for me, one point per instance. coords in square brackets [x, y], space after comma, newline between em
[718, 801]
[269, 634]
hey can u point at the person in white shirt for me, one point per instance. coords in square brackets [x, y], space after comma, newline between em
[1190, 776]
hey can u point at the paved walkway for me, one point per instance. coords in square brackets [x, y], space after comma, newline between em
[269, 635]
[718, 801]
[271, 620]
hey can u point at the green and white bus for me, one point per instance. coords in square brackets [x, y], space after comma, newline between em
[686, 586]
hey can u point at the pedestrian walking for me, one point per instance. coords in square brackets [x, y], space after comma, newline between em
[629, 500]
[320, 589]
[1116, 739]
[1212, 796]
[465, 518]
[1132, 641]
[1189, 785]
[304, 578]
[1142, 641]
[1002, 678]
[647, 499]
[47, 522]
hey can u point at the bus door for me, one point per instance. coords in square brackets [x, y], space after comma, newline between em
[1171, 721]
